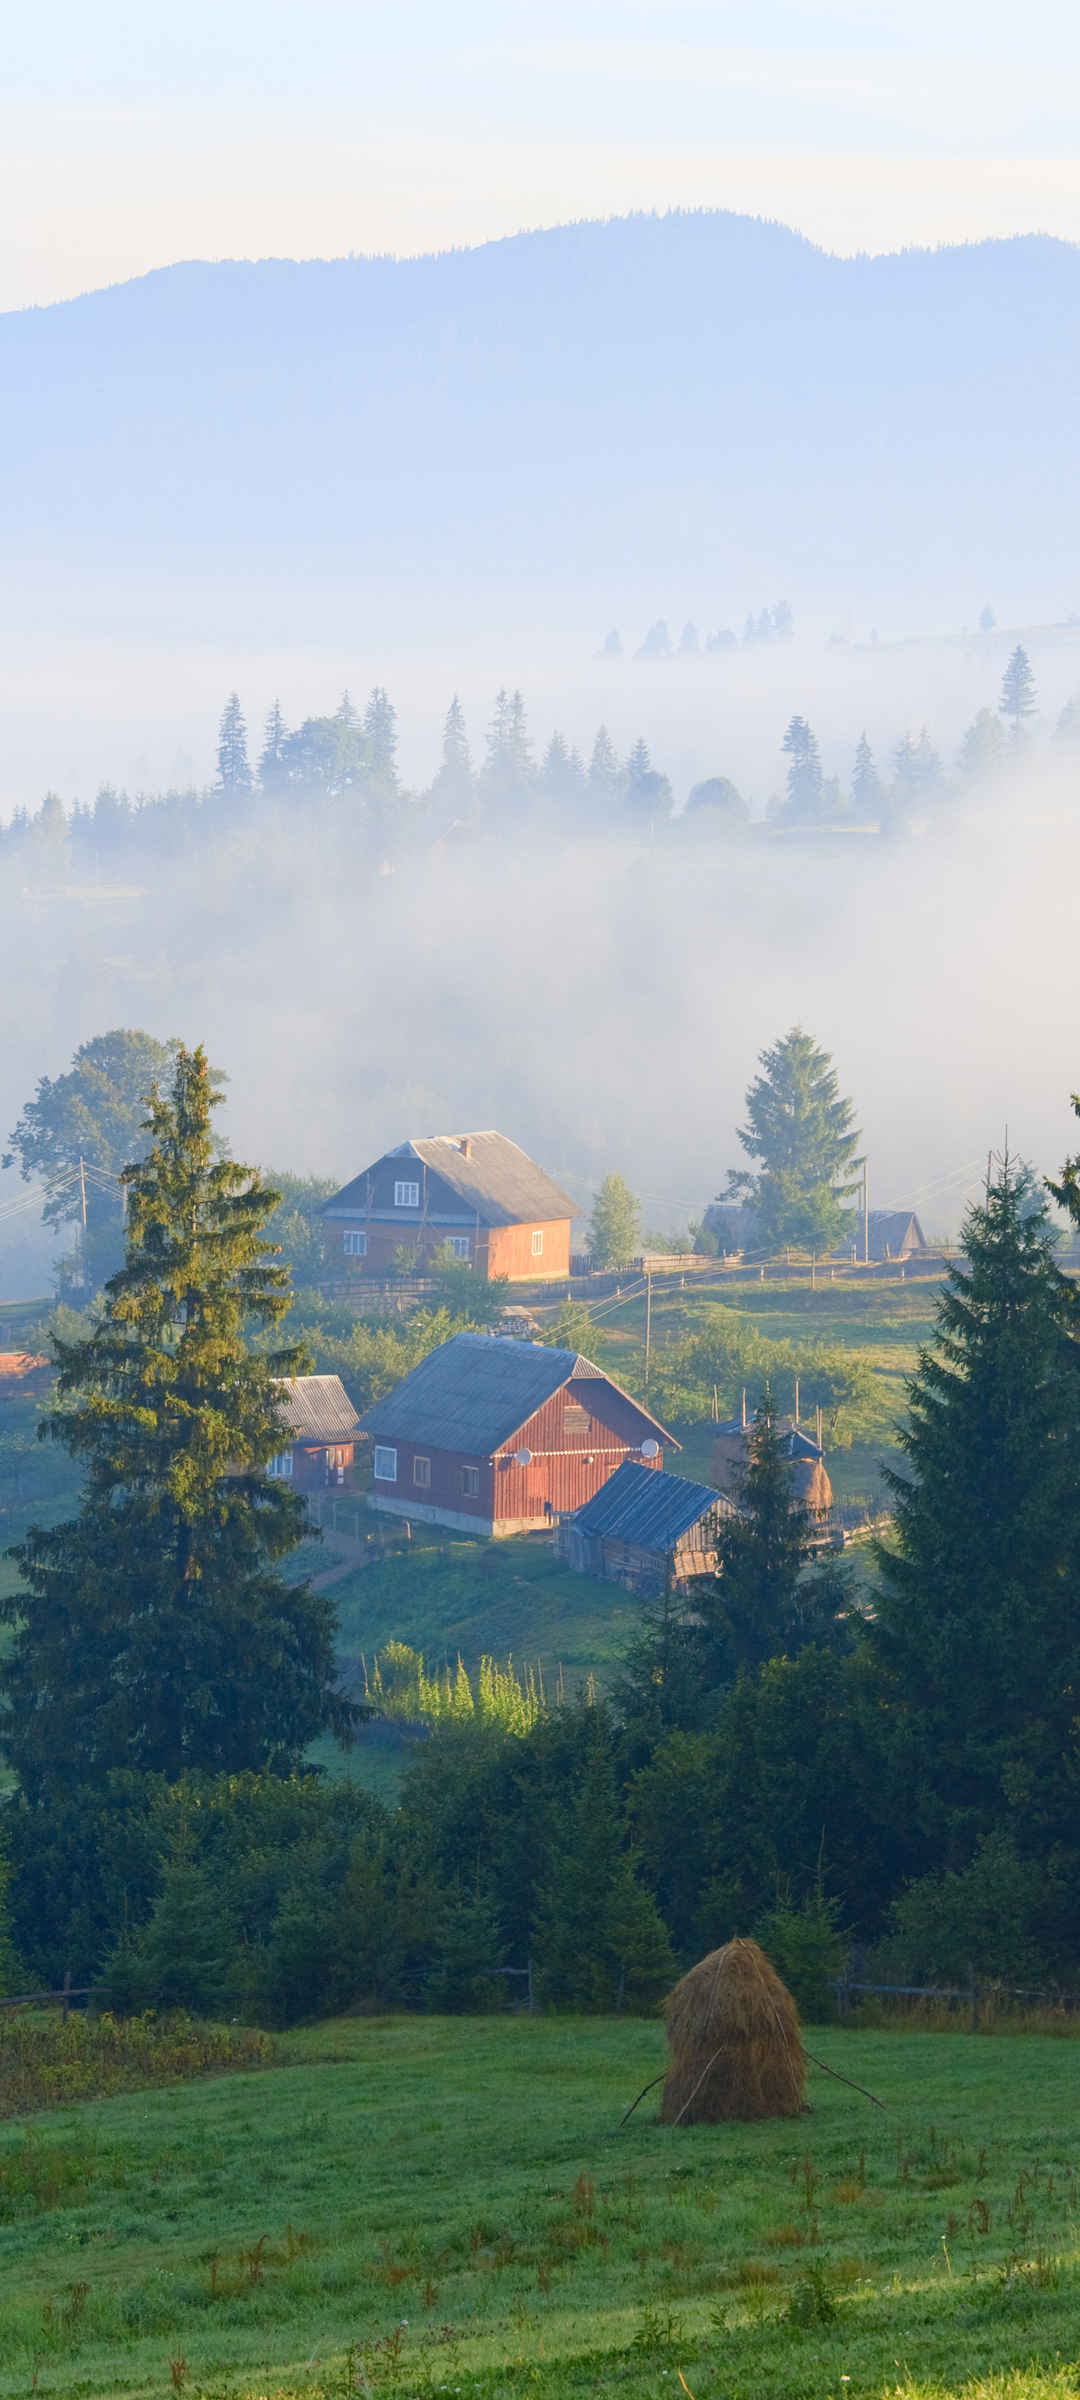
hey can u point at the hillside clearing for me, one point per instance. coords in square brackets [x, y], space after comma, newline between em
[432, 2205]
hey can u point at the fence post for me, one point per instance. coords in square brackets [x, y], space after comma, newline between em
[66, 2003]
[529, 1989]
[974, 1993]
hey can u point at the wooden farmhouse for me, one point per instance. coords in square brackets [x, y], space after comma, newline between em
[495, 1436]
[645, 1530]
[474, 1193]
[319, 1425]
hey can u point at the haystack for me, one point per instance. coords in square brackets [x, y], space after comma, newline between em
[733, 2034]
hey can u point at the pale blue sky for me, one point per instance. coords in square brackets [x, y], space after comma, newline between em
[134, 135]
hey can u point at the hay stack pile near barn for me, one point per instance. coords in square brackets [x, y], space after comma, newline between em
[733, 2035]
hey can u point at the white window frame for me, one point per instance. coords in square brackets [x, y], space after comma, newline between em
[354, 1243]
[281, 1466]
[538, 1241]
[470, 1483]
[421, 1474]
[406, 1194]
[461, 1245]
[384, 1472]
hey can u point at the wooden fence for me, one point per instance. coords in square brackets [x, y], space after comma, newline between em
[61, 1999]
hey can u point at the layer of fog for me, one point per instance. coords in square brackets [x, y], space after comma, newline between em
[139, 710]
[602, 1001]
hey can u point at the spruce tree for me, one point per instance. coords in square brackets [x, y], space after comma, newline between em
[866, 794]
[976, 1624]
[597, 1936]
[804, 777]
[454, 785]
[755, 1604]
[273, 768]
[1018, 690]
[802, 1135]
[234, 773]
[153, 1630]
[380, 730]
[605, 773]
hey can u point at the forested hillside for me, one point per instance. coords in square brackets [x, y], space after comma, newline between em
[557, 402]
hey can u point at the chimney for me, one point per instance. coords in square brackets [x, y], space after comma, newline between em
[465, 1145]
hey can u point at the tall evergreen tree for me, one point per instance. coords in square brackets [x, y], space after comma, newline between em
[454, 785]
[977, 1619]
[273, 769]
[866, 794]
[605, 773]
[509, 773]
[1018, 690]
[804, 777]
[917, 766]
[801, 1133]
[755, 1603]
[234, 773]
[597, 1935]
[380, 730]
[153, 1630]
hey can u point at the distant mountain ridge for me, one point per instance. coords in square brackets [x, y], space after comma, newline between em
[621, 390]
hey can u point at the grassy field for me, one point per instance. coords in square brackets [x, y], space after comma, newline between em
[448, 2206]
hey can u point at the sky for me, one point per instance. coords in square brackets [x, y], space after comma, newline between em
[133, 137]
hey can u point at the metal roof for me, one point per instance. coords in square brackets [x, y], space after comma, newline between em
[316, 1408]
[645, 1506]
[496, 1182]
[477, 1389]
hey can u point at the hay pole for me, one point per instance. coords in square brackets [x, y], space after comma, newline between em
[852, 2087]
[649, 2087]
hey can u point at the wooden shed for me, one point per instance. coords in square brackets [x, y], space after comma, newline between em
[642, 1529]
[495, 1436]
[319, 1424]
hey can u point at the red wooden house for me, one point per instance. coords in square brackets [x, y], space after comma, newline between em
[474, 1193]
[319, 1425]
[496, 1436]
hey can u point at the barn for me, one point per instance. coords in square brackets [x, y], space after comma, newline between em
[476, 1194]
[493, 1436]
[892, 1233]
[319, 1424]
[643, 1529]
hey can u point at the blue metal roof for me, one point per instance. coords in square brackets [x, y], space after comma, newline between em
[645, 1506]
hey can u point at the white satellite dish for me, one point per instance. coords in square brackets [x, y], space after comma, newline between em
[650, 1449]
[523, 1458]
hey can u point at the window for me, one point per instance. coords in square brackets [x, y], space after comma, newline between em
[470, 1483]
[460, 1244]
[421, 1473]
[538, 1244]
[281, 1466]
[354, 1245]
[576, 1419]
[406, 1195]
[385, 1464]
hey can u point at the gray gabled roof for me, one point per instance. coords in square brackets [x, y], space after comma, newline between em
[645, 1506]
[316, 1408]
[496, 1182]
[477, 1389]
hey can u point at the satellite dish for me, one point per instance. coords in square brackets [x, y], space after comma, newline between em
[523, 1458]
[650, 1449]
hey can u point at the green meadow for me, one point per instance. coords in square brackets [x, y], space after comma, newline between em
[449, 2206]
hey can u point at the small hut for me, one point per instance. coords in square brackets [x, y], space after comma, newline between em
[733, 2035]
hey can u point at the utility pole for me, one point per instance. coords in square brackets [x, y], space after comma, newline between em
[648, 1326]
[82, 1193]
[866, 1212]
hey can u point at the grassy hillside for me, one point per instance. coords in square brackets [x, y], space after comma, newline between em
[448, 2206]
